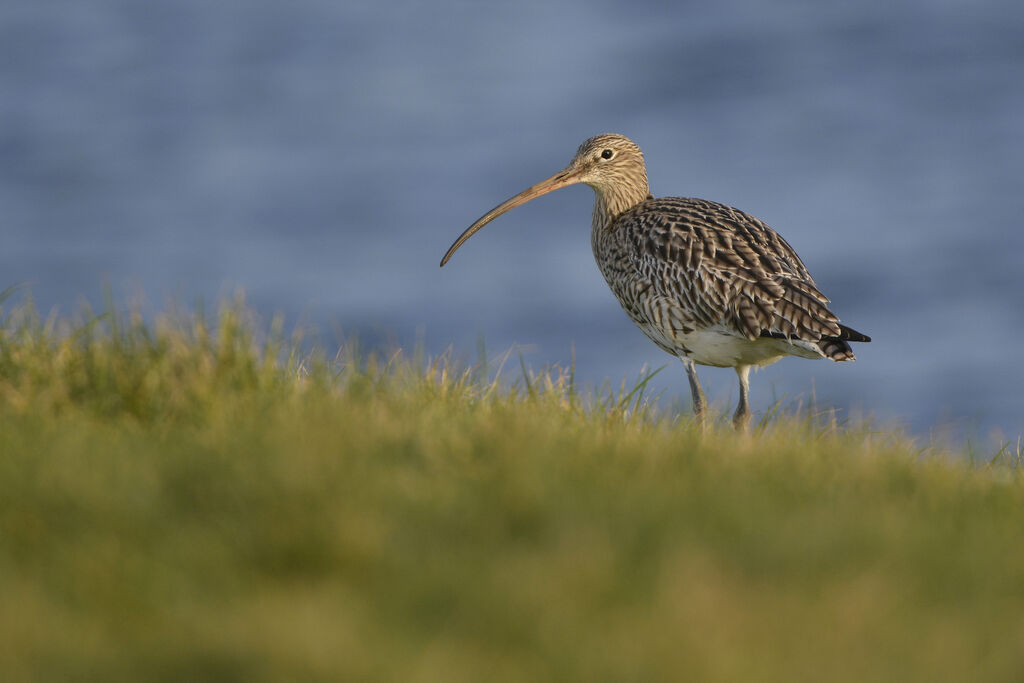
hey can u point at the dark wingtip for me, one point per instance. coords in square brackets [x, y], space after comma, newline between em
[850, 334]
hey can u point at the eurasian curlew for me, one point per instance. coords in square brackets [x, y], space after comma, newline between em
[707, 283]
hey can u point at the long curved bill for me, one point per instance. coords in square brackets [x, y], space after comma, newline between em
[567, 176]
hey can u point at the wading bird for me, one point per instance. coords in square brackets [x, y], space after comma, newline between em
[707, 283]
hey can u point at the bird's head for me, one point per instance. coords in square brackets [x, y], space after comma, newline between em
[607, 162]
[611, 164]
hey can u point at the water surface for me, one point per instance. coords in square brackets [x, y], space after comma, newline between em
[324, 155]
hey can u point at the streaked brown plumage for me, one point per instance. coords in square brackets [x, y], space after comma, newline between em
[704, 281]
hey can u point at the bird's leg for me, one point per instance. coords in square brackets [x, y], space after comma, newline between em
[741, 420]
[699, 402]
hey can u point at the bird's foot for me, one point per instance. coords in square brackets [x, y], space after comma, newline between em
[700, 417]
[741, 421]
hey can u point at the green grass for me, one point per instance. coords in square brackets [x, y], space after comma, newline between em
[189, 502]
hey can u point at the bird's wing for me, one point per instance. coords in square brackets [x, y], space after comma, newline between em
[727, 268]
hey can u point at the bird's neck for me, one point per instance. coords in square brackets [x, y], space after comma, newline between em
[612, 200]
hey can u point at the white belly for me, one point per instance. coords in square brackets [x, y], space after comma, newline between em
[718, 347]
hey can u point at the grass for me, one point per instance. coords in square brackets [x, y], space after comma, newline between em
[192, 501]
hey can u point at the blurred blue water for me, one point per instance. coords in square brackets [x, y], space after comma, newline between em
[323, 155]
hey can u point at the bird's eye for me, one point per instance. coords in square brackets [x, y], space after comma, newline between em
[607, 154]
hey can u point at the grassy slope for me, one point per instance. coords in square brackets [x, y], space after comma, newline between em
[175, 507]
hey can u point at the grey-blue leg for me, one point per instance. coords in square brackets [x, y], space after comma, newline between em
[699, 402]
[741, 420]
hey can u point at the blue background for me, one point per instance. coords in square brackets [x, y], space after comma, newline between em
[323, 155]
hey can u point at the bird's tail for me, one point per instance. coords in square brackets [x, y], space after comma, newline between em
[838, 348]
